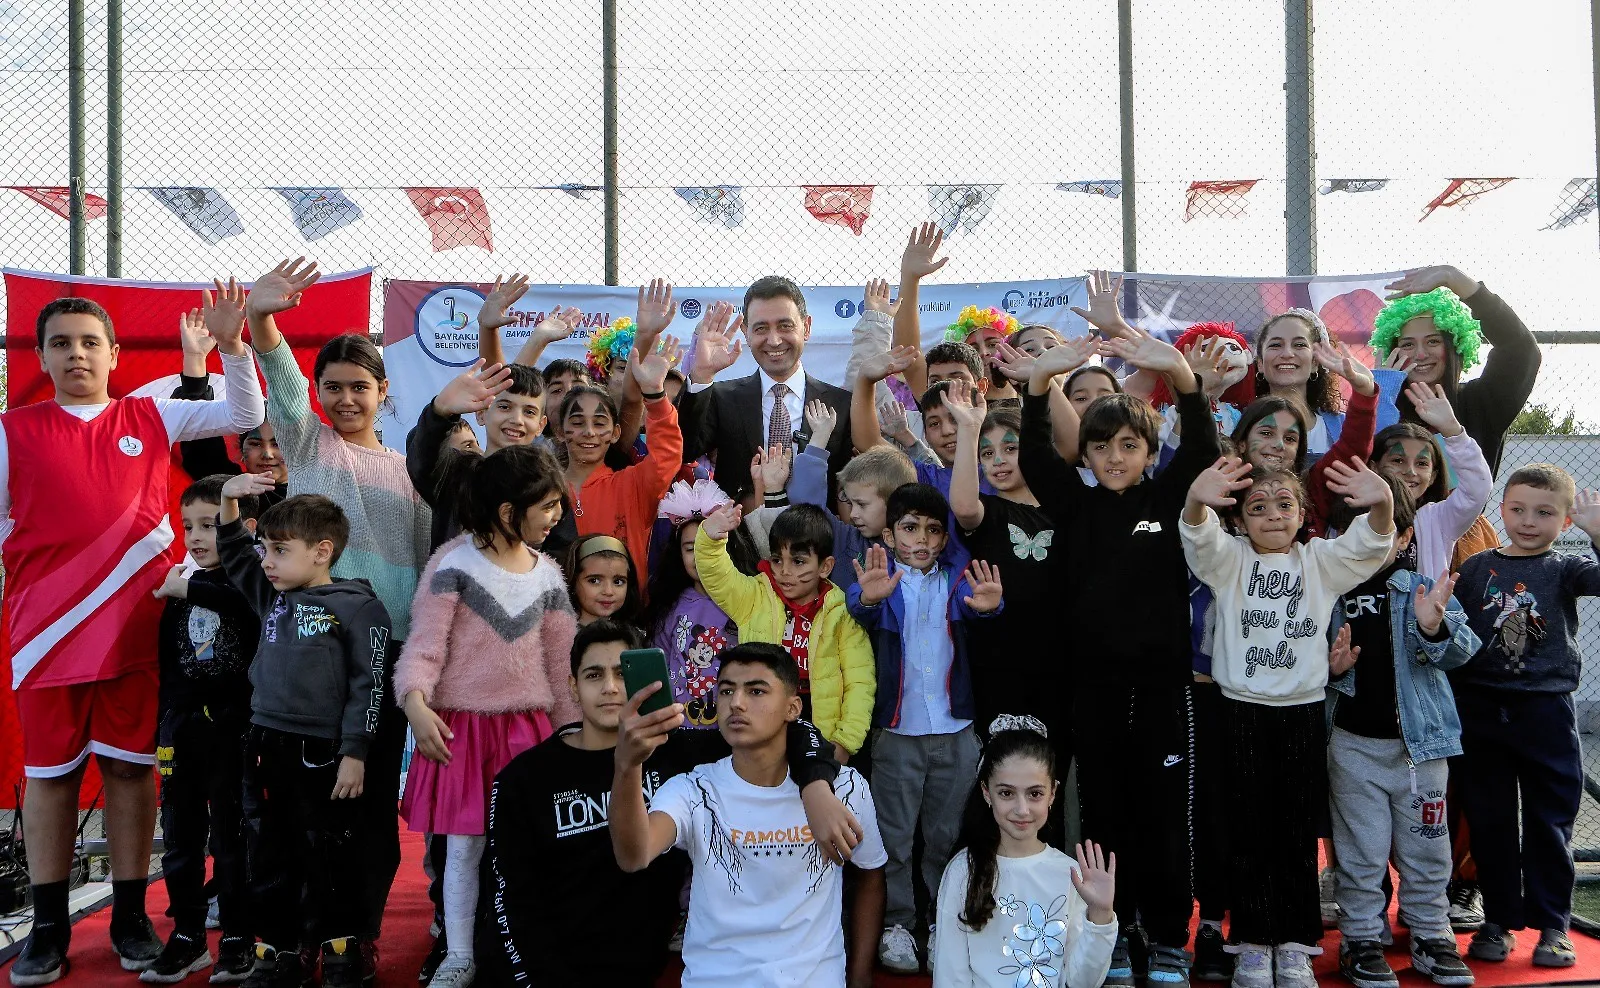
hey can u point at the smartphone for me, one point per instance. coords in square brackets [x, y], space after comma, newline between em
[640, 668]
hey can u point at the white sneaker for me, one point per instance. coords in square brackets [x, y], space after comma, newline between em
[1330, 908]
[933, 939]
[455, 972]
[1293, 963]
[897, 951]
[1252, 967]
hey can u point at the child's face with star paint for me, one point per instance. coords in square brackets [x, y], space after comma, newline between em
[1272, 514]
[997, 453]
[1273, 443]
[1412, 462]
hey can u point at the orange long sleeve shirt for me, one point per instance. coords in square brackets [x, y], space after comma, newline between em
[623, 503]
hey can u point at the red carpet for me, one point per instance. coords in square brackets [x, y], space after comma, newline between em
[405, 942]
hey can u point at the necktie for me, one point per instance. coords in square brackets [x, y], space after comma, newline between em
[780, 430]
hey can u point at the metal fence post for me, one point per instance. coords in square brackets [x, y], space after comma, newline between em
[75, 139]
[608, 68]
[1130, 216]
[1299, 147]
[113, 138]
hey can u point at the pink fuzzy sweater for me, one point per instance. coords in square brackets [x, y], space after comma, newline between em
[487, 641]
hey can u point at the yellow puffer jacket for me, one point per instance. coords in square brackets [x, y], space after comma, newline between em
[843, 678]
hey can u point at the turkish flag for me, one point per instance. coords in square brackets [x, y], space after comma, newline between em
[456, 217]
[145, 318]
[842, 205]
[58, 200]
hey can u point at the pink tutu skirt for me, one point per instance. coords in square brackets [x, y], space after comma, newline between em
[454, 798]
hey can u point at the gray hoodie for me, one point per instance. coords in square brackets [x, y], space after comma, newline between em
[320, 665]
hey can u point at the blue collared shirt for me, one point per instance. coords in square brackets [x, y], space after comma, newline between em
[927, 654]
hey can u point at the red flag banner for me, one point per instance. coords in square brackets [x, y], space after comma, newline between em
[456, 217]
[145, 317]
[1461, 192]
[841, 205]
[59, 200]
[1224, 199]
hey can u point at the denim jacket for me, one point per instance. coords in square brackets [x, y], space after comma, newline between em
[1428, 720]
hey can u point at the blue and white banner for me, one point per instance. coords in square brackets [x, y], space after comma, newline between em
[430, 329]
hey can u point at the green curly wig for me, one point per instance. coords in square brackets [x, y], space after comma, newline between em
[1449, 313]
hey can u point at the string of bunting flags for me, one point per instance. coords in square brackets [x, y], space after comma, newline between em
[460, 216]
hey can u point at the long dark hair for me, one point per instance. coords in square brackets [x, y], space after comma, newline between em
[1271, 405]
[670, 579]
[980, 835]
[521, 476]
[1322, 391]
[617, 456]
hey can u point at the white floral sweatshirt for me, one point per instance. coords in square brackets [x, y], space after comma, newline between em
[1273, 609]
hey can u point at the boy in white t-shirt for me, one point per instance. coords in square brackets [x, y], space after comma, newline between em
[765, 903]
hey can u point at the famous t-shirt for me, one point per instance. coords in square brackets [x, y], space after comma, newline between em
[765, 905]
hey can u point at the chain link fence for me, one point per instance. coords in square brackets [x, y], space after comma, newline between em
[753, 138]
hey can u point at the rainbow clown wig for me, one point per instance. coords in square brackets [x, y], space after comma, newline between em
[610, 344]
[1239, 394]
[1449, 313]
[990, 322]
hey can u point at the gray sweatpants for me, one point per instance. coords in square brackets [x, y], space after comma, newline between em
[927, 777]
[1379, 814]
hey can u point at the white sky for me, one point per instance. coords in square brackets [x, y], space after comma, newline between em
[373, 96]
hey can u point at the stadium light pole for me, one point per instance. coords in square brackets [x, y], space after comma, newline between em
[608, 71]
[75, 138]
[113, 138]
[1299, 146]
[1130, 216]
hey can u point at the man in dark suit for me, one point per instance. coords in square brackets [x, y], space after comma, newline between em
[735, 418]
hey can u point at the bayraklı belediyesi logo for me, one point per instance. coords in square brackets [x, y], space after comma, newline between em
[447, 325]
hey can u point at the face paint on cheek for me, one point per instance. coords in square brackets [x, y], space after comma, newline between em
[1011, 437]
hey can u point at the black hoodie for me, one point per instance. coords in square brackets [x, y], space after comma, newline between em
[320, 664]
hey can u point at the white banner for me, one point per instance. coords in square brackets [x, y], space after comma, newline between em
[430, 329]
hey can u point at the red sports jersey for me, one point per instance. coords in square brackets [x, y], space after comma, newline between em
[92, 541]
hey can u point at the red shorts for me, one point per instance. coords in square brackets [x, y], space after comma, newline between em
[112, 717]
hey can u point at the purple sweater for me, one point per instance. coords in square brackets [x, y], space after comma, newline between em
[694, 634]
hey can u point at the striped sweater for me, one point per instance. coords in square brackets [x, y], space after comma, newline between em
[389, 523]
[488, 641]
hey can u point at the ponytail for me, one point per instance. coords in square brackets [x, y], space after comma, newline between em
[521, 476]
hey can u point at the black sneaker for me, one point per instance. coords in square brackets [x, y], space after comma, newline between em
[1466, 906]
[1212, 962]
[236, 958]
[341, 963]
[278, 969]
[1169, 967]
[1138, 947]
[1441, 961]
[136, 943]
[1492, 942]
[1362, 961]
[43, 960]
[1120, 973]
[369, 962]
[1554, 950]
[182, 956]
[435, 957]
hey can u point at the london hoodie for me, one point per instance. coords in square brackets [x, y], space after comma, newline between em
[320, 663]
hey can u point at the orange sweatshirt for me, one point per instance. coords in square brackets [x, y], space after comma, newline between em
[624, 502]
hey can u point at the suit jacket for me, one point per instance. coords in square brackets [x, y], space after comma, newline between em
[726, 419]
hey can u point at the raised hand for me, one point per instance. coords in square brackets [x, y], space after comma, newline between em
[558, 325]
[247, 485]
[655, 310]
[1339, 360]
[1419, 280]
[1015, 364]
[876, 298]
[280, 289]
[877, 583]
[1208, 359]
[1104, 313]
[429, 729]
[495, 312]
[1217, 483]
[223, 313]
[720, 522]
[1147, 353]
[716, 342]
[176, 585]
[962, 391]
[920, 257]
[1341, 657]
[639, 735]
[770, 468]
[1358, 483]
[892, 422]
[193, 337]
[1433, 408]
[986, 589]
[1585, 513]
[968, 417]
[1430, 605]
[879, 366]
[650, 369]
[821, 420]
[473, 390]
[1096, 881]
